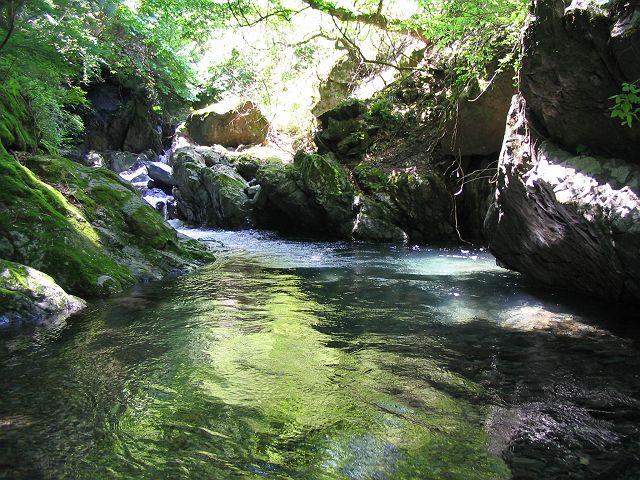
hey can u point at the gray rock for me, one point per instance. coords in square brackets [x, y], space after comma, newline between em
[374, 224]
[213, 196]
[576, 58]
[123, 161]
[478, 124]
[567, 221]
[313, 196]
[161, 174]
[121, 119]
[422, 206]
[28, 295]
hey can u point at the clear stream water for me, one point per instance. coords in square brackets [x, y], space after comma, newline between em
[295, 360]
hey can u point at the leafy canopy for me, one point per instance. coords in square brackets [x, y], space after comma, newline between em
[54, 48]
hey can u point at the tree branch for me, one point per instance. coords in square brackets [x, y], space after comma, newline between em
[376, 19]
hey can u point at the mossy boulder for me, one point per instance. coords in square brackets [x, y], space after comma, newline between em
[28, 295]
[423, 206]
[282, 204]
[345, 131]
[327, 182]
[246, 165]
[375, 223]
[370, 178]
[85, 227]
[214, 196]
[312, 196]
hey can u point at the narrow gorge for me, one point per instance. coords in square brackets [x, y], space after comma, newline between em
[316, 240]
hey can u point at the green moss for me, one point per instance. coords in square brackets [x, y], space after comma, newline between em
[146, 223]
[13, 274]
[322, 175]
[15, 130]
[90, 232]
[370, 178]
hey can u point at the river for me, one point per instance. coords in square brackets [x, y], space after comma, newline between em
[315, 360]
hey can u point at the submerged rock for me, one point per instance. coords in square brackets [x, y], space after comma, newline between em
[229, 126]
[28, 295]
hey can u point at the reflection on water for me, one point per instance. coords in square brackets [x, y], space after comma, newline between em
[302, 360]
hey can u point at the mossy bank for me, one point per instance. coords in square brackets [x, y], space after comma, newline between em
[86, 228]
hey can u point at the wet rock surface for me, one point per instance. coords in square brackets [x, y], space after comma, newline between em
[86, 227]
[29, 296]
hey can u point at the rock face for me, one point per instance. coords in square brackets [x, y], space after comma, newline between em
[337, 86]
[85, 227]
[218, 124]
[28, 295]
[572, 221]
[210, 195]
[374, 223]
[121, 120]
[478, 124]
[161, 174]
[313, 196]
[576, 58]
[568, 221]
[423, 206]
[345, 130]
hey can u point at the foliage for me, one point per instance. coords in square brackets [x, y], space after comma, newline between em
[627, 104]
[479, 32]
[54, 49]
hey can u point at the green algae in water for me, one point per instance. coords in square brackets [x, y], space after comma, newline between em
[296, 361]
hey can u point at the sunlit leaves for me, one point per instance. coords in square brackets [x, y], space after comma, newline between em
[627, 104]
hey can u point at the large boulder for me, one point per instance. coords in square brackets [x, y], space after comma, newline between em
[121, 119]
[337, 86]
[313, 196]
[27, 295]
[85, 227]
[229, 126]
[568, 221]
[572, 221]
[576, 58]
[210, 195]
[162, 175]
[477, 126]
[327, 182]
[423, 206]
[374, 223]
[122, 161]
